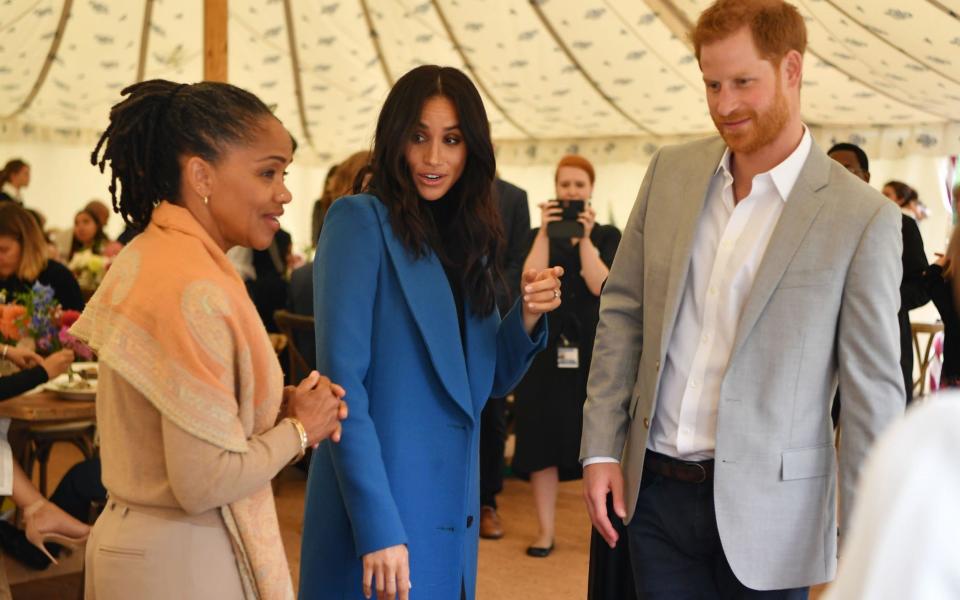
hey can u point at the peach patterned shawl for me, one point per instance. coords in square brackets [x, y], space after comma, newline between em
[174, 319]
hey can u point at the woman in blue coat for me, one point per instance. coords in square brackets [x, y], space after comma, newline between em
[407, 323]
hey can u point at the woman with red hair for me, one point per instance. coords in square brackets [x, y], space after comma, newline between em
[550, 398]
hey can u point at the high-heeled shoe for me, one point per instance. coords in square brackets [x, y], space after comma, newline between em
[38, 537]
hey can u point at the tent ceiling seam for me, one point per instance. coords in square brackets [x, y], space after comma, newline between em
[944, 8]
[862, 81]
[377, 46]
[47, 63]
[295, 68]
[680, 18]
[889, 43]
[469, 67]
[144, 39]
[535, 5]
[18, 18]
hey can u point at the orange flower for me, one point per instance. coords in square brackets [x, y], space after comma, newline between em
[9, 315]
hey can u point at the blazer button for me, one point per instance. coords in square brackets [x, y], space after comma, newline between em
[469, 521]
[646, 423]
[657, 366]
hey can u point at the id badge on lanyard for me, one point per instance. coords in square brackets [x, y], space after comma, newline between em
[568, 356]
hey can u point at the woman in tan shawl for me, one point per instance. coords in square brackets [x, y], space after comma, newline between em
[190, 387]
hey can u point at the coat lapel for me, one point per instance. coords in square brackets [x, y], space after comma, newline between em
[696, 183]
[798, 214]
[427, 292]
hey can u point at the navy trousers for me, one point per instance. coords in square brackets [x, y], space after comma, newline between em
[675, 548]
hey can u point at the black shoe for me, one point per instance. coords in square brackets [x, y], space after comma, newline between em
[536, 552]
[14, 542]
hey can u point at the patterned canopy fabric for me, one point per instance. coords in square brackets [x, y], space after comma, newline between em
[617, 75]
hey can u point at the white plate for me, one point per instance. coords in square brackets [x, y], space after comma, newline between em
[79, 395]
[61, 386]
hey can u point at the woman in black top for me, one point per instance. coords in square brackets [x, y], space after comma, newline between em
[23, 260]
[35, 370]
[14, 176]
[943, 285]
[550, 398]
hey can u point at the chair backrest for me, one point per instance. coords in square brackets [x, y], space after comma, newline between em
[291, 325]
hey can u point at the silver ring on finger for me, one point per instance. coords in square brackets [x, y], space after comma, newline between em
[556, 293]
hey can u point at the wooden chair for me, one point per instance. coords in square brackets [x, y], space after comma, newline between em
[923, 357]
[40, 439]
[291, 325]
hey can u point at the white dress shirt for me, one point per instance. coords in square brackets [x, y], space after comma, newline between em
[729, 243]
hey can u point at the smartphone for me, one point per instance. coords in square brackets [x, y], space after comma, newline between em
[568, 227]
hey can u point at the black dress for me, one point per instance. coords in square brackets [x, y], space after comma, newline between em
[941, 292]
[549, 413]
[66, 290]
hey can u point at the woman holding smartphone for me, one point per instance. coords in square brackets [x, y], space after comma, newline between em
[550, 398]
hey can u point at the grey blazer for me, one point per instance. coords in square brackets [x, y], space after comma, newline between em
[822, 311]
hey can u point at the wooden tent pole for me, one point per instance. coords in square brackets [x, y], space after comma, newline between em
[215, 40]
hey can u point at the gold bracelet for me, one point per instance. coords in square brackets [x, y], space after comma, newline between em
[304, 441]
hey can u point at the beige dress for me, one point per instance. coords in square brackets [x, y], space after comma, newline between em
[161, 535]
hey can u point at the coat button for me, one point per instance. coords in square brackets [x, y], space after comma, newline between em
[469, 521]
[657, 366]
[646, 423]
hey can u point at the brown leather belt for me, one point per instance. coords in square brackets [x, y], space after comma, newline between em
[681, 470]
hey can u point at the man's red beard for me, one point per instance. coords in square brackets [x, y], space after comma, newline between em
[762, 129]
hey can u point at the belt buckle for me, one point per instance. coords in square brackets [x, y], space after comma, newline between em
[703, 472]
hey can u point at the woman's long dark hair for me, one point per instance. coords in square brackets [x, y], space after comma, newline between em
[902, 190]
[99, 238]
[158, 122]
[476, 227]
[10, 169]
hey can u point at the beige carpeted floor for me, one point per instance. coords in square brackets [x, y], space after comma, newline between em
[505, 572]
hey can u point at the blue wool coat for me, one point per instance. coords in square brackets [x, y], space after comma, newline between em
[406, 470]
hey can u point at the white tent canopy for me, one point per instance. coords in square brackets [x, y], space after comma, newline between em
[616, 78]
[884, 72]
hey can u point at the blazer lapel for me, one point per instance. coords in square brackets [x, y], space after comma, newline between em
[801, 209]
[431, 302]
[693, 196]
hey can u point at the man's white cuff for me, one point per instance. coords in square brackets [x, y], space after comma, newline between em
[599, 459]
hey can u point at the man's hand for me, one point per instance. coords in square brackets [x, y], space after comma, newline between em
[598, 480]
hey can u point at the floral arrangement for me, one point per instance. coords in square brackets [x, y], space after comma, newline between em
[35, 316]
[89, 268]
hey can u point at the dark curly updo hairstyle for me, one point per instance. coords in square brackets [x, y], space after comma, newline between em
[476, 228]
[159, 122]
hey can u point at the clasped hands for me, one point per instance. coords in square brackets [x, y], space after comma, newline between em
[318, 404]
